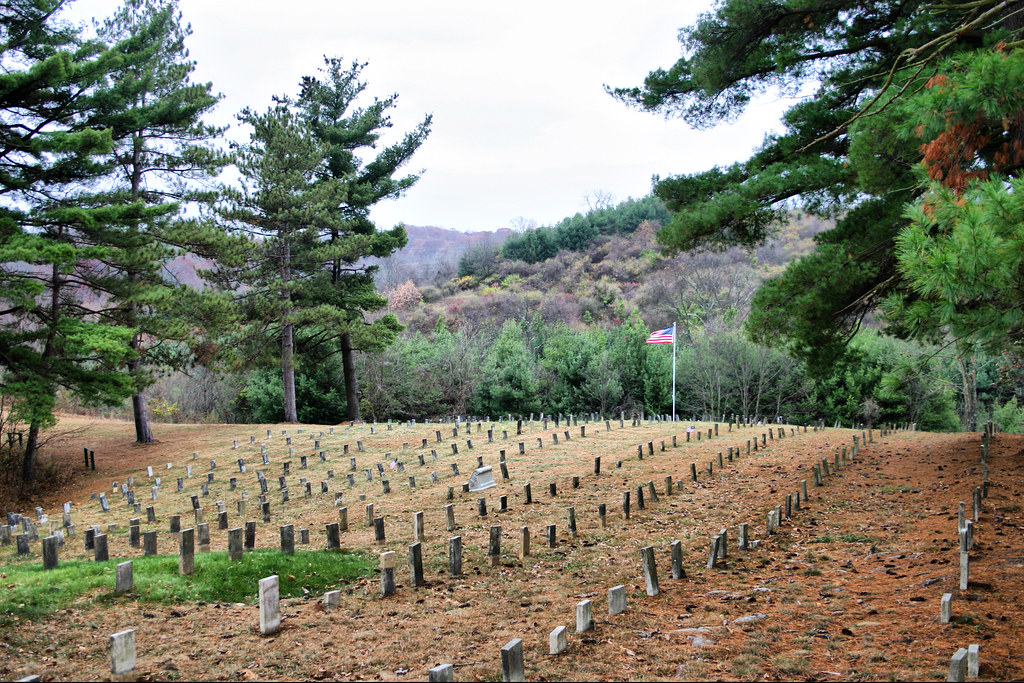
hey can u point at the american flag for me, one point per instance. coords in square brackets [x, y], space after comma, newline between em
[664, 336]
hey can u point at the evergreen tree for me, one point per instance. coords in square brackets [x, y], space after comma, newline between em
[50, 154]
[864, 58]
[161, 149]
[345, 288]
[284, 207]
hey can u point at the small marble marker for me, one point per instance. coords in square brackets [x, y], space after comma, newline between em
[512, 668]
[123, 578]
[584, 616]
[122, 652]
[958, 665]
[616, 600]
[332, 600]
[558, 641]
[442, 673]
[270, 606]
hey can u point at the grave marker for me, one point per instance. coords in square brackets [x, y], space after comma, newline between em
[270, 606]
[186, 552]
[512, 669]
[123, 578]
[387, 574]
[650, 570]
[584, 616]
[122, 652]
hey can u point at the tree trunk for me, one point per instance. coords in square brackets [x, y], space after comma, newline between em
[28, 462]
[287, 337]
[351, 382]
[288, 374]
[143, 431]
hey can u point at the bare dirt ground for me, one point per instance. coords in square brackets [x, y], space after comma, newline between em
[849, 588]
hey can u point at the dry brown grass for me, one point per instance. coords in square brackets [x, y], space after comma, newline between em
[838, 606]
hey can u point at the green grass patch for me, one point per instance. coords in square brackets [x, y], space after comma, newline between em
[31, 592]
[896, 489]
[842, 538]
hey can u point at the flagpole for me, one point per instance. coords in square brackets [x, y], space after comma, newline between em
[675, 328]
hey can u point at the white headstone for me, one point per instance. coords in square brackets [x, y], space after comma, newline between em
[481, 479]
[122, 652]
[270, 606]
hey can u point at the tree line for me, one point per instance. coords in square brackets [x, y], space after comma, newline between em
[109, 177]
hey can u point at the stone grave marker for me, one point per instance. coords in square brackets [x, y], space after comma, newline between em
[270, 605]
[122, 652]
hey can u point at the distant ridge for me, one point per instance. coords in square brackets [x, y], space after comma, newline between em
[432, 250]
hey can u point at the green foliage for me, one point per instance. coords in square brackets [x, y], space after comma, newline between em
[508, 384]
[32, 592]
[319, 395]
[577, 232]
[963, 260]
[878, 67]
[1009, 417]
[51, 157]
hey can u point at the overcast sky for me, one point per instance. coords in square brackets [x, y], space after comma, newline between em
[522, 125]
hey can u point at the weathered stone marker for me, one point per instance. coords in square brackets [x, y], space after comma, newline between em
[123, 578]
[149, 543]
[494, 546]
[650, 570]
[270, 606]
[524, 542]
[387, 574]
[250, 536]
[122, 652]
[512, 668]
[187, 552]
[235, 544]
[946, 608]
[449, 517]
[677, 560]
[455, 556]
[100, 552]
[584, 616]
[416, 565]
[287, 539]
[616, 600]
[50, 560]
[333, 536]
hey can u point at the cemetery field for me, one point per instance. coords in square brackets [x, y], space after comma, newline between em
[849, 586]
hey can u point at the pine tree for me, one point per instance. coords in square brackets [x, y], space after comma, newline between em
[329, 104]
[283, 207]
[49, 154]
[161, 151]
[841, 155]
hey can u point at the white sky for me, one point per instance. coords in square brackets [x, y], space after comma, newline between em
[522, 125]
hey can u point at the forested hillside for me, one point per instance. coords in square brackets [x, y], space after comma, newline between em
[567, 334]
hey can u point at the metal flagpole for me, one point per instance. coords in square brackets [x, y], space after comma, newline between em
[674, 329]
